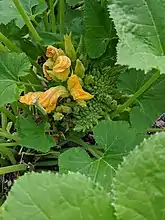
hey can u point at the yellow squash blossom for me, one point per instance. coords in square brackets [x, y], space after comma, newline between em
[76, 90]
[30, 98]
[61, 68]
[47, 68]
[53, 52]
[48, 99]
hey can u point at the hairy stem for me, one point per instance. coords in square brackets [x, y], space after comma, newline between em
[9, 44]
[13, 168]
[52, 16]
[155, 130]
[46, 23]
[3, 48]
[62, 12]
[82, 143]
[153, 78]
[102, 3]
[27, 20]
[7, 135]
[11, 144]
[3, 121]
[29, 84]
[8, 114]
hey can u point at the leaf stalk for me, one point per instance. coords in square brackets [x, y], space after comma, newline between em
[153, 78]
[27, 20]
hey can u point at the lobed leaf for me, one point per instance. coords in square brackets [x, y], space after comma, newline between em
[8, 11]
[139, 186]
[77, 160]
[32, 135]
[150, 104]
[140, 26]
[12, 66]
[46, 196]
[117, 138]
[99, 28]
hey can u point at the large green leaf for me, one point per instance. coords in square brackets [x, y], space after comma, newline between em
[150, 103]
[12, 32]
[8, 11]
[74, 22]
[98, 27]
[32, 135]
[117, 138]
[140, 26]
[12, 66]
[77, 160]
[47, 196]
[139, 186]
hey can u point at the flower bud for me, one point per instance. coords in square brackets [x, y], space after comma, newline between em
[79, 69]
[64, 109]
[88, 80]
[58, 116]
[69, 48]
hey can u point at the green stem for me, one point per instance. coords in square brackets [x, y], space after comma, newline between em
[40, 108]
[27, 20]
[62, 12]
[153, 78]
[8, 136]
[8, 153]
[102, 3]
[11, 144]
[8, 114]
[3, 48]
[54, 5]
[29, 84]
[94, 153]
[14, 108]
[52, 16]
[3, 121]
[155, 129]
[82, 143]
[9, 44]
[13, 168]
[46, 23]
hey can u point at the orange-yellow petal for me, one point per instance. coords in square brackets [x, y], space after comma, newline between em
[49, 98]
[61, 68]
[46, 72]
[62, 62]
[76, 90]
[52, 51]
[30, 98]
[62, 75]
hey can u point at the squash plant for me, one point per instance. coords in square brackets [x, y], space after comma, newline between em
[137, 191]
[81, 83]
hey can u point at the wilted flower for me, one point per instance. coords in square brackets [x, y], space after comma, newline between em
[76, 90]
[69, 48]
[47, 99]
[79, 69]
[61, 69]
